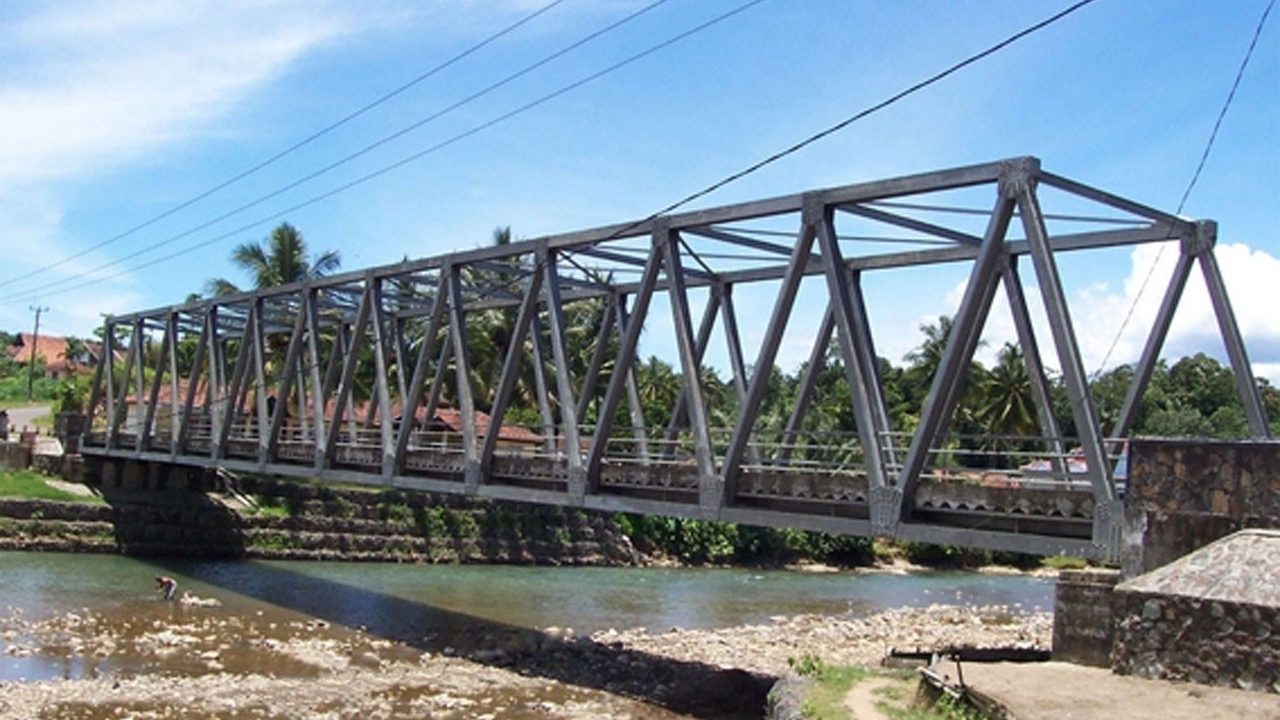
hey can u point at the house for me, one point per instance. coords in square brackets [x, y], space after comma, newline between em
[52, 349]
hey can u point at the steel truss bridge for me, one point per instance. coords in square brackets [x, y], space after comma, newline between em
[197, 384]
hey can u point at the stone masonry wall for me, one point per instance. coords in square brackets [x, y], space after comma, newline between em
[1183, 495]
[1083, 627]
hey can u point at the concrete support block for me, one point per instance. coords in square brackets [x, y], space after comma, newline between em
[1083, 622]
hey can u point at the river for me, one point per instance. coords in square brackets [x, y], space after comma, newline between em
[449, 605]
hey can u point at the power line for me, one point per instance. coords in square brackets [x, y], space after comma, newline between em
[362, 151]
[891, 100]
[1195, 177]
[292, 148]
[395, 165]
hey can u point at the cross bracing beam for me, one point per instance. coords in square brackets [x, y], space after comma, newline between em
[503, 371]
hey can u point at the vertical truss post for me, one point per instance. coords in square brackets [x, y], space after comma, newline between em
[540, 386]
[260, 375]
[140, 341]
[811, 218]
[113, 432]
[193, 380]
[401, 350]
[318, 396]
[1246, 385]
[239, 386]
[808, 381]
[864, 343]
[622, 367]
[174, 402]
[597, 359]
[269, 441]
[359, 333]
[437, 382]
[966, 330]
[215, 388]
[564, 383]
[510, 371]
[462, 371]
[333, 368]
[157, 379]
[1108, 512]
[634, 407]
[680, 414]
[109, 357]
[710, 488]
[304, 423]
[733, 343]
[409, 408]
[1031, 358]
[883, 499]
[382, 384]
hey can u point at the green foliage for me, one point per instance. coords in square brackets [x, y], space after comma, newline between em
[460, 524]
[808, 665]
[72, 395]
[398, 513]
[343, 507]
[699, 541]
[1065, 562]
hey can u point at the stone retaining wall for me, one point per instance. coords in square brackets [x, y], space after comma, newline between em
[1083, 626]
[1183, 495]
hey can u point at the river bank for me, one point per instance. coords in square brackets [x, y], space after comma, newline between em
[207, 661]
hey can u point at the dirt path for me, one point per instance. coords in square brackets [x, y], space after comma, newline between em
[1059, 691]
[862, 698]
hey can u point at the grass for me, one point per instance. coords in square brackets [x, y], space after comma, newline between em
[1065, 562]
[830, 684]
[32, 486]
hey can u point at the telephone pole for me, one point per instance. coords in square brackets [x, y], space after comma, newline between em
[35, 339]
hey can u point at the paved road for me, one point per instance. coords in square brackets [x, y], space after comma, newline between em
[24, 416]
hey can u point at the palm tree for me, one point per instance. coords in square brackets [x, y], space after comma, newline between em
[1005, 405]
[281, 259]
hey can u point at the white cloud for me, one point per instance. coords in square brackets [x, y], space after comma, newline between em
[1098, 311]
[94, 85]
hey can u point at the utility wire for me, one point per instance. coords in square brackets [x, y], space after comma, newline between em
[289, 150]
[393, 166]
[1195, 177]
[891, 100]
[367, 148]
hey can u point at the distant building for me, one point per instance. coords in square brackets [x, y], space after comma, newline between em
[53, 350]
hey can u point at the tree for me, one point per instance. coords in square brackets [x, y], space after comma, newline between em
[281, 259]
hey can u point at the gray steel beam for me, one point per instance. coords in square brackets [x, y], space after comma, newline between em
[462, 373]
[193, 380]
[153, 398]
[271, 439]
[1031, 358]
[965, 328]
[510, 372]
[680, 413]
[1108, 511]
[635, 408]
[541, 388]
[808, 381]
[564, 382]
[622, 367]
[911, 224]
[409, 408]
[710, 489]
[382, 389]
[1151, 350]
[852, 336]
[809, 221]
[350, 359]
[598, 354]
[1246, 385]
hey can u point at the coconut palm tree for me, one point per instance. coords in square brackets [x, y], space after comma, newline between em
[281, 259]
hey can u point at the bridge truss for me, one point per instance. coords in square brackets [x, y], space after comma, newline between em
[371, 376]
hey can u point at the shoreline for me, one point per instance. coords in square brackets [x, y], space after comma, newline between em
[211, 662]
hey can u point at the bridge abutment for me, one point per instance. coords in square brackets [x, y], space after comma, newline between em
[1182, 496]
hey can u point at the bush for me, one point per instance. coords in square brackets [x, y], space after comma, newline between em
[72, 395]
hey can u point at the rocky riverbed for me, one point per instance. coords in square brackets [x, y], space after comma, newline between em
[199, 660]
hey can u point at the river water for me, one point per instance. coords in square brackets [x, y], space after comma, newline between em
[448, 605]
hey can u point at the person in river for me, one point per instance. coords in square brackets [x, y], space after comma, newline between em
[166, 586]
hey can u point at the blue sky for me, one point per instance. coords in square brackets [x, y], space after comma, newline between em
[111, 113]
